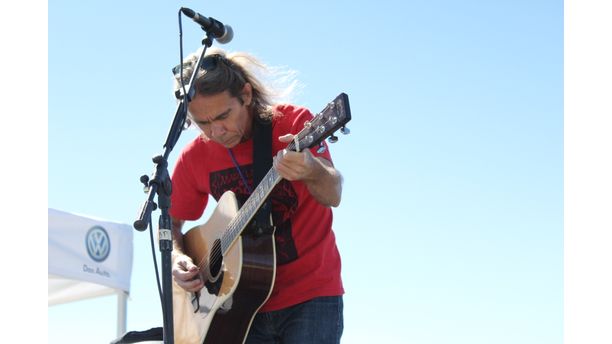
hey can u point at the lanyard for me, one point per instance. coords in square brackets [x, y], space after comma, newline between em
[244, 181]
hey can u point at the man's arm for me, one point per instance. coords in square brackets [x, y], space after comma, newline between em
[177, 234]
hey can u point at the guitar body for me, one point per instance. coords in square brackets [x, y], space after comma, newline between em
[234, 294]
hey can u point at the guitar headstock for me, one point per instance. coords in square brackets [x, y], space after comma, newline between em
[323, 125]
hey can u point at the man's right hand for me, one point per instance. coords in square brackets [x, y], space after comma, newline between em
[186, 274]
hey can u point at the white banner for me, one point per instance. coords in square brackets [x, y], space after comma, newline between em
[87, 257]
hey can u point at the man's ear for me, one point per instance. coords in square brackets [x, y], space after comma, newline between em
[247, 94]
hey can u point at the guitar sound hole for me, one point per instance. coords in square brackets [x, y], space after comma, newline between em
[216, 261]
[213, 285]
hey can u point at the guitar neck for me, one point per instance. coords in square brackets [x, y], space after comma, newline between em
[248, 210]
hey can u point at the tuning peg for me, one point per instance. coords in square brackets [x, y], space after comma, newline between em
[321, 149]
[333, 139]
[345, 131]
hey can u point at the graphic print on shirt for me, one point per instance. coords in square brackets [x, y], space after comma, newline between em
[284, 205]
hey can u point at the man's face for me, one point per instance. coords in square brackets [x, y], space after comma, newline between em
[223, 118]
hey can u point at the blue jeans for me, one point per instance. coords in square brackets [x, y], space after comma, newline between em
[318, 321]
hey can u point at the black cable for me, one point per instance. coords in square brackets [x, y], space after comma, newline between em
[159, 289]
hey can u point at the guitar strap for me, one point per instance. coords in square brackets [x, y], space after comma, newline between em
[262, 163]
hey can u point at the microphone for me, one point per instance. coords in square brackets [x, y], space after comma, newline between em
[219, 31]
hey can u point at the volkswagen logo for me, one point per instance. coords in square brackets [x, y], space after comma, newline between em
[97, 243]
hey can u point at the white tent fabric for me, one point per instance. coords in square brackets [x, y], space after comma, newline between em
[88, 257]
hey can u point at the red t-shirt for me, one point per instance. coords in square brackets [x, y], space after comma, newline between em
[307, 258]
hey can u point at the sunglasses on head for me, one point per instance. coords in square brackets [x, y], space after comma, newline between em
[209, 62]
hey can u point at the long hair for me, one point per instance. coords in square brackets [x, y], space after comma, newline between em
[221, 71]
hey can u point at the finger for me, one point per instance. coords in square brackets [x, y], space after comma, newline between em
[184, 265]
[290, 157]
[188, 279]
[185, 270]
[185, 275]
[289, 171]
[286, 138]
[307, 154]
[192, 285]
[279, 158]
[308, 161]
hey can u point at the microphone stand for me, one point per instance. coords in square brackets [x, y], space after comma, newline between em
[161, 185]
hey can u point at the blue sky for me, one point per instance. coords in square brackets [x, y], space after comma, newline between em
[451, 224]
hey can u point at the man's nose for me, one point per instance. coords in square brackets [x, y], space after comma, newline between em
[217, 129]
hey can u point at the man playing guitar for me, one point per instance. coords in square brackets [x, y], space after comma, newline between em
[305, 302]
